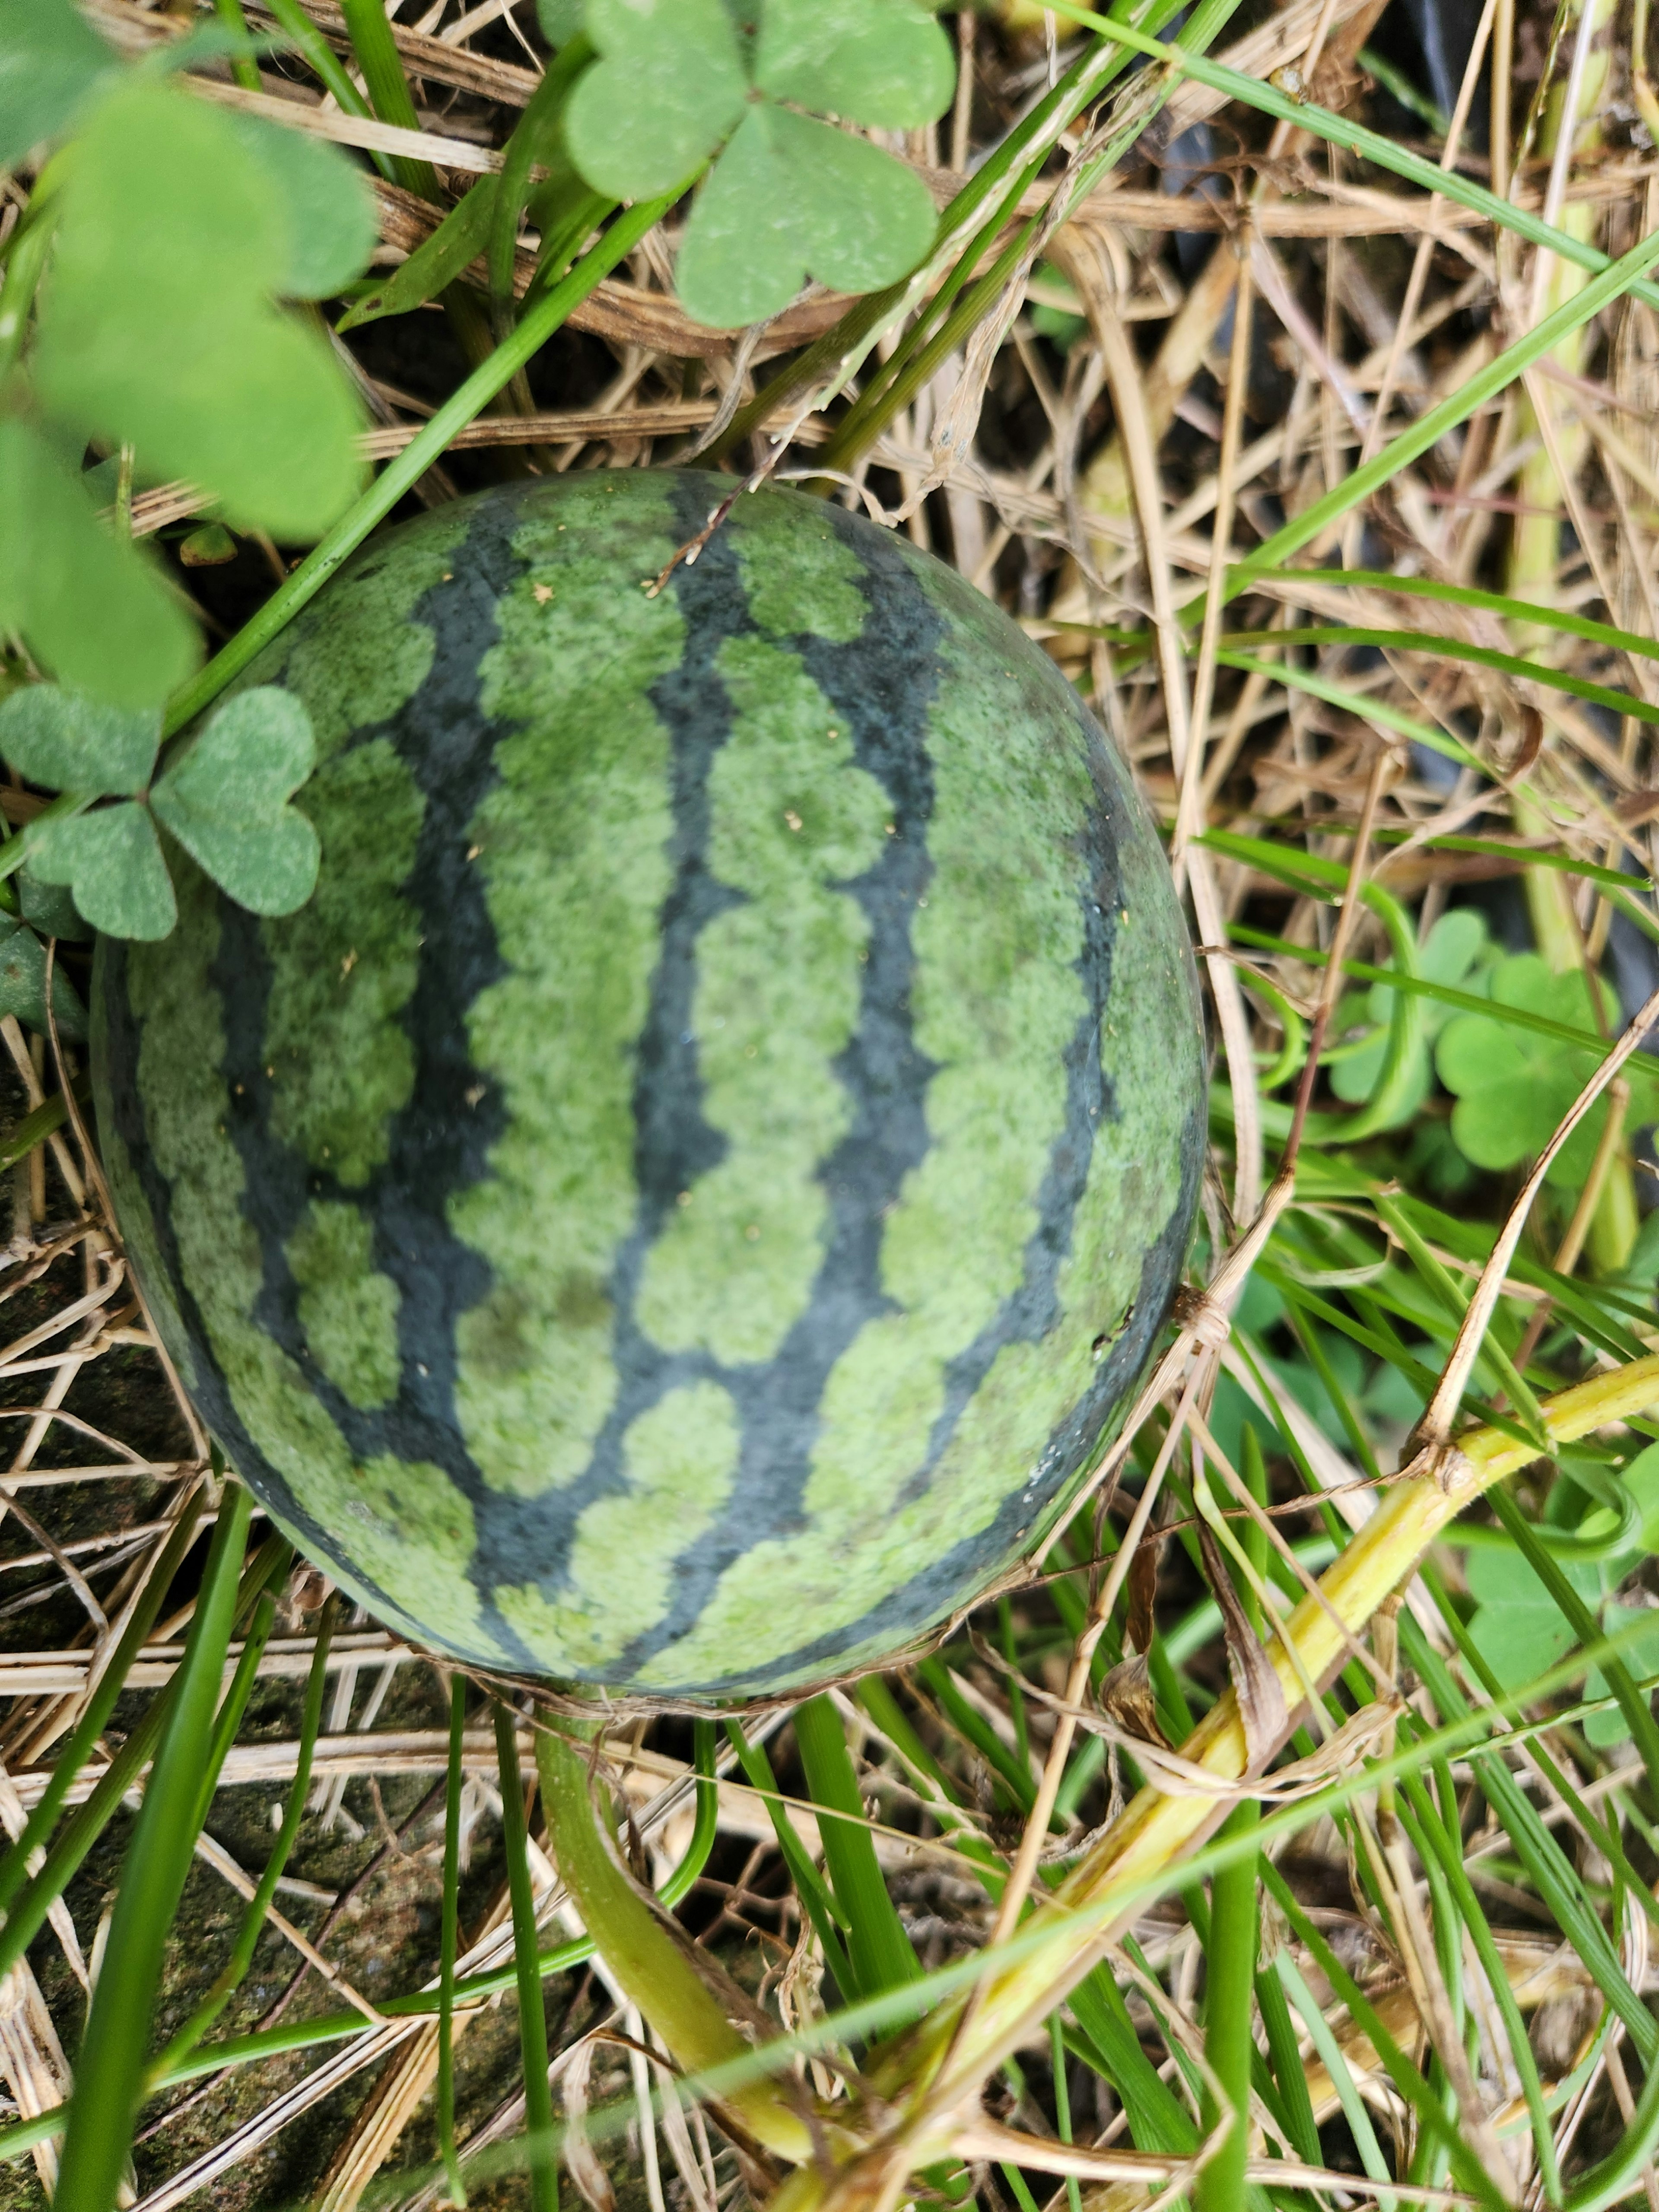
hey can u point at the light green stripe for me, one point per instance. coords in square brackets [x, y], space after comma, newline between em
[776, 999]
[573, 847]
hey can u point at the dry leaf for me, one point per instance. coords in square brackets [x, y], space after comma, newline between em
[1143, 1595]
[1260, 1695]
[593, 2182]
[1126, 1699]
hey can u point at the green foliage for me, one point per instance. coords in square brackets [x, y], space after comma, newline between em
[49, 58]
[23, 984]
[560, 19]
[435, 262]
[110, 2070]
[789, 196]
[1520, 1630]
[141, 309]
[1512, 1087]
[327, 219]
[209, 546]
[48, 908]
[57, 562]
[112, 862]
[159, 324]
[1517, 1624]
[68, 743]
[1455, 952]
[225, 798]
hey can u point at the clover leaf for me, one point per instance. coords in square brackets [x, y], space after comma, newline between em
[560, 21]
[71, 743]
[836, 205]
[881, 62]
[226, 800]
[670, 85]
[1455, 952]
[48, 908]
[330, 213]
[57, 563]
[159, 325]
[1641, 1657]
[1513, 1086]
[112, 860]
[23, 984]
[1641, 1479]
[224, 796]
[49, 58]
[789, 197]
[1517, 1625]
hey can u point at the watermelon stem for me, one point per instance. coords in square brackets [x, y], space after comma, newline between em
[652, 1965]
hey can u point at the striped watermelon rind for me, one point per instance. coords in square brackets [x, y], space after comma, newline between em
[684, 1201]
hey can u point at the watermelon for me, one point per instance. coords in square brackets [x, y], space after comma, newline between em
[689, 1193]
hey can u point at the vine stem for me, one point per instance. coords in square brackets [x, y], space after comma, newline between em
[937, 2075]
[401, 473]
[656, 1970]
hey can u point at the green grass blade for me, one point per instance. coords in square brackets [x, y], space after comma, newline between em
[449, 1940]
[370, 32]
[1552, 1873]
[1235, 1922]
[534, 136]
[1454, 409]
[1462, 1002]
[533, 2020]
[1083, 81]
[33, 1129]
[917, 363]
[1230, 1993]
[1565, 863]
[1159, 2120]
[1063, 2105]
[1406, 2077]
[231, 1975]
[1285, 2057]
[1433, 1838]
[1513, 665]
[320, 57]
[1638, 1715]
[228, 1718]
[82, 1831]
[878, 1951]
[1454, 1299]
[434, 263]
[75, 1752]
[1527, 613]
[1395, 79]
[1355, 702]
[329, 2028]
[110, 2068]
[1619, 2176]
[821, 1907]
[1325, 2044]
[974, 1730]
[1354, 138]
